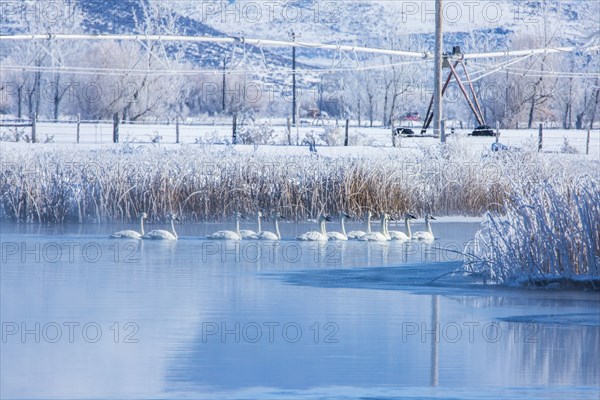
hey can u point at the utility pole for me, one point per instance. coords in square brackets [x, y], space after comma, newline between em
[437, 78]
[293, 80]
[506, 89]
[321, 96]
[224, 82]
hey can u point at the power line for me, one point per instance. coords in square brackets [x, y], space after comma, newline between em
[551, 74]
[186, 72]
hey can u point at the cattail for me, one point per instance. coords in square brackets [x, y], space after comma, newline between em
[210, 183]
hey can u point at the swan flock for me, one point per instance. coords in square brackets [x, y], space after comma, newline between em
[320, 235]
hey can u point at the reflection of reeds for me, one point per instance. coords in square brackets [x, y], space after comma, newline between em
[561, 354]
[208, 183]
[547, 235]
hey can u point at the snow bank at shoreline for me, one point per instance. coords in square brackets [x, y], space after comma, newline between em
[548, 237]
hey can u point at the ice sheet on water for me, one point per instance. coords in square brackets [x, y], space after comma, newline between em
[424, 278]
[582, 319]
[408, 393]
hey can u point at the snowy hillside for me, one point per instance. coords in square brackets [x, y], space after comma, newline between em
[375, 22]
[378, 23]
[128, 17]
[476, 26]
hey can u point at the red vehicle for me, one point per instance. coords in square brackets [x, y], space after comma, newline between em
[411, 116]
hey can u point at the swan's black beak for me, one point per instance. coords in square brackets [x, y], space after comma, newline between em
[328, 219]
[177, 219]
[410, 216]
[346, 215]
[392, 218]
[432, 217]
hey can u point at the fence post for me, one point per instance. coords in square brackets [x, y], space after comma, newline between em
[289, 131]
[19, 109]
[443, 131]
[541, 137]
[115, 128]
[587, 142]
[346, 138]
[234, 134]
[497, 131]
[33, 127]
[78, 127]
[177, 129]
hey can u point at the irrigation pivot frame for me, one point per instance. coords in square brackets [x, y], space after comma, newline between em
[451, 61]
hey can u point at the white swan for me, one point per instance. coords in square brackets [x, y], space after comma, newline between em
[129, 234]
[339, 236]
[401, 236]
[315, 236]
[229, 235]
[263, 235]
[355, 235]
[247, 234]
[428, 234]
[382, 236]
[160, 234]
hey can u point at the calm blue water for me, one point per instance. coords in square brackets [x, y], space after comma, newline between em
[86, 317]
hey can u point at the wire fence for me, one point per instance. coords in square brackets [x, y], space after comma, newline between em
[222, 130]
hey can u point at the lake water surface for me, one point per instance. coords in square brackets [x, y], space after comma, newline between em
[87, 317]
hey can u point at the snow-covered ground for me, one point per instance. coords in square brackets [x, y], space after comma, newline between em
[370, 139]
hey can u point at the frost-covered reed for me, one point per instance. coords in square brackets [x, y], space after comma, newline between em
[208, 183]
[548, 236]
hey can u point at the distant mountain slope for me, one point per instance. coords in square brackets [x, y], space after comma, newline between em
[476, 26]
[107, 16]
[379, 22]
